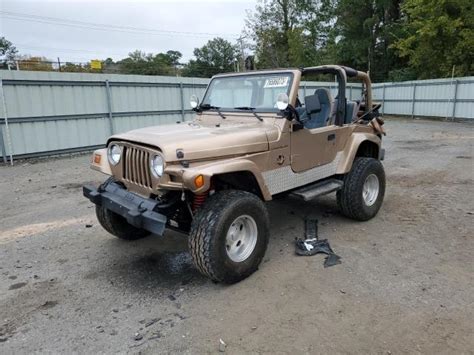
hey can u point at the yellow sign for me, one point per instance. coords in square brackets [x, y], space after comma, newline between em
[96, 64]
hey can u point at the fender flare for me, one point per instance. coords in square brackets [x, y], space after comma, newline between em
[237, 165]
[350, 150]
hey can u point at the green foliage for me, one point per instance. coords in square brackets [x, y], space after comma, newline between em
[285, 32]
[7, 51]
[356, 33]
[438, 34]
[75, 68]
[141, 63]
[392, 39]
[402, 74]
[216, 56]
[367, 29]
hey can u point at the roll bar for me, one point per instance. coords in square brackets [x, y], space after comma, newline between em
[342, 73]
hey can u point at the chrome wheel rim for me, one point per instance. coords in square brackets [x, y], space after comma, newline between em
[241, 238]
[371, 188]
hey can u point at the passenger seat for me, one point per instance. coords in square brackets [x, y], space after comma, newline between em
[318, 108]
[352, 107]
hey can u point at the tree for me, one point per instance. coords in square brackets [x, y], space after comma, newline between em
[173, 57]
[109, 66]
[438, 35]
[356, 33]
[284, 32]
[216, 56]
[139, 62]
[7, 52]
[75, 68]
[366, 31]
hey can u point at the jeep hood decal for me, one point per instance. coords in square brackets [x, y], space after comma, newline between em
[202, 141]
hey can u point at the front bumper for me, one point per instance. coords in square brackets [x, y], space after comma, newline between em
[137, 210]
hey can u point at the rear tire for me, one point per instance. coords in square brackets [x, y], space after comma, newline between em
[117, 225]
[363, 191]
[229, 236]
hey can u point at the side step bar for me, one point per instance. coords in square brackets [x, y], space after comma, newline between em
[309, 192]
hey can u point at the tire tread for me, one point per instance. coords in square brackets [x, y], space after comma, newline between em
[348, 198]
[117, 225]
[202, 232]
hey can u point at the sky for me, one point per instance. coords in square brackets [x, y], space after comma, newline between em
[81, 30]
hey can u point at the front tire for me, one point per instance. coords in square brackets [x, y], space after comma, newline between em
[363, 191]
[229, 236]
[117, 225]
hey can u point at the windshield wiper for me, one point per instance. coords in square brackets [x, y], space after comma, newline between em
[210, 107]
[251, 109]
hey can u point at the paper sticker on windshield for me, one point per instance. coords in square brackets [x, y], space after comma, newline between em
[276, 82]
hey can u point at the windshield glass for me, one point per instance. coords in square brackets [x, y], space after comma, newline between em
[251, 91]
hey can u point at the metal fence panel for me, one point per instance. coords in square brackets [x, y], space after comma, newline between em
[55, 112]
[447, 98]
[29, 100]
[48, 136]
[465, 92]
[136, 98]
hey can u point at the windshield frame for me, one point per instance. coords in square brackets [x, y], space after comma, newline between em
[289, 73]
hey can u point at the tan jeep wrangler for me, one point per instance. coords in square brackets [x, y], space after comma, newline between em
[252, 138]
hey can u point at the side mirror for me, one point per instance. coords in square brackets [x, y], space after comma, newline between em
[284, 106]
[194, 102]
[282, 101]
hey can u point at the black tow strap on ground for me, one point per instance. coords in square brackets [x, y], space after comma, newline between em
[312, 245]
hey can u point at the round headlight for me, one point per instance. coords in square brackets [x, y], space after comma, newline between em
[114, 154]
[157, 165]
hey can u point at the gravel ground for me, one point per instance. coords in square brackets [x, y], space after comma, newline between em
[405, 284]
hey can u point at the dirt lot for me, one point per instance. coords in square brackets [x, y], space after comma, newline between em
[405, 285]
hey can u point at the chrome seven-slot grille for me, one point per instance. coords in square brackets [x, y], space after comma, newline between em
[136, 166]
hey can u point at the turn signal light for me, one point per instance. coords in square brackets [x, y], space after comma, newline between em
[97, 158]
[199, 181]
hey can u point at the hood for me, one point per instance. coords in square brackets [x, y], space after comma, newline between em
[204, 141]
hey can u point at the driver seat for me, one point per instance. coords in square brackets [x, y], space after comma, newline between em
[318, 108]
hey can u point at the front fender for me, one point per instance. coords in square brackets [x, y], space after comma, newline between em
[230, 166]
[100, 162]
[351, 148]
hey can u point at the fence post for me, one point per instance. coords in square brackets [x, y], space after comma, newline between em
[181, 94]
[455, 96]
[304, 89]
[7, 130]
[2, 145]
[109, 106]
[413, 101]
[383, 99]
[350, 92]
